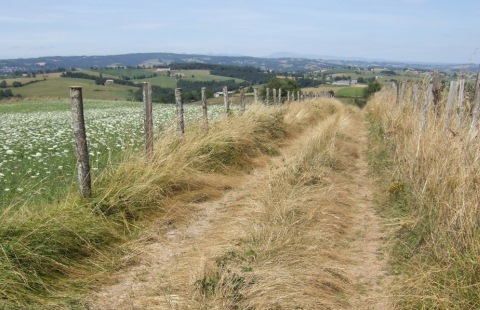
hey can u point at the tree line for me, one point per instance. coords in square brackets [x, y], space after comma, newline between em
[99, 80]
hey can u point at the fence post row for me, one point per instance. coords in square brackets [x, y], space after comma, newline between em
[148, 118]
[81, 147]
[180, 116]
[205, 108]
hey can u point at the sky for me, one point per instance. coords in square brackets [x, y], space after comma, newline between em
[434, 31]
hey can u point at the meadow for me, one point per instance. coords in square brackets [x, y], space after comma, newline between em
[37, 160]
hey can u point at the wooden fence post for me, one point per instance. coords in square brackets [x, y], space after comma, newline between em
[425, 106]
[476, 104]
[81, 147]
[267, 95]
[274, 96]
[255, 94]
[279, 96]
[205, 108]
[298, 95]
[180, 116]
[288, 96]
[226, 100]
[436, 91]
[148, 119]
[401, 94]
[461, 101]
[242, 98]
[293, 96]
[452, 93]
[415, 98]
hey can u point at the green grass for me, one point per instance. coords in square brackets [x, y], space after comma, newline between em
[162, 81]
[60, 88]
[350, 92]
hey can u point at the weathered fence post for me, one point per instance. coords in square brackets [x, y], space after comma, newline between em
[148, 119]
[81, 147]
[461, 101]
[436, 91]
[425, 106]
[242, 98]
[274, 96]
[452, 93]
[298, 95]
[180, 116]
[267, 95]
[293, 96]
[226, 100]
[279, 96]
[205, 108]
[288, 96]
[415, 98]
[401, 93]
[476, 104]
[255, 95]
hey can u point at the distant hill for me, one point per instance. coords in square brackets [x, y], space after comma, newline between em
[283, 62]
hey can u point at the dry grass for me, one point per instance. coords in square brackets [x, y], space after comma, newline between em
[42, 247]
[292, 251]
[434, 190]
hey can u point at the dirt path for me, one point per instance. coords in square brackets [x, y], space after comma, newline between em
[369, 269]
[177, 251]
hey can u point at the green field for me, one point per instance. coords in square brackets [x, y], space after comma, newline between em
[349, 92]
[55, 86]
[60, 88]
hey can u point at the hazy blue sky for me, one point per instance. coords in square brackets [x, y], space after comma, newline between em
[403, 30]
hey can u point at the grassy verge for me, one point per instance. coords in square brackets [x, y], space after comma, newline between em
[431, 180]
[49, 253]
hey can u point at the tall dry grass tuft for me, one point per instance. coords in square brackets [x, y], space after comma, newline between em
[434, 188]
[43, 247]
[289, 257]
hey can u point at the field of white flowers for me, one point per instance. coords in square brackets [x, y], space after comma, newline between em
[37, 158]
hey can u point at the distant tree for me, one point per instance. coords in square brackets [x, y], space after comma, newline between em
[276, 83]
[3, 84]
[372, 88]
[6, 93]
[17, 84]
